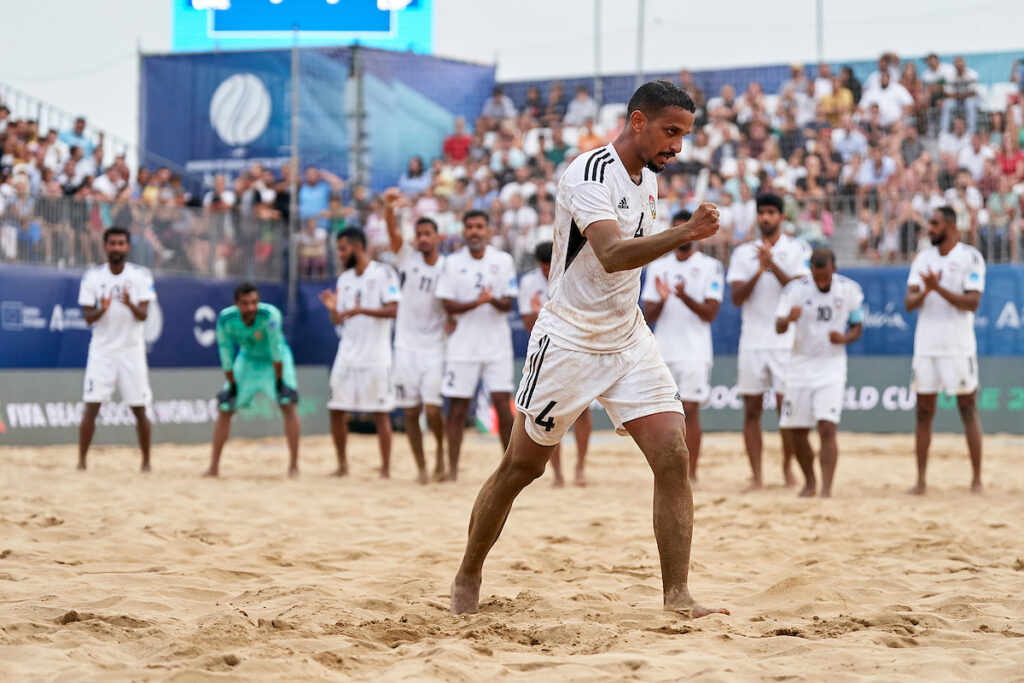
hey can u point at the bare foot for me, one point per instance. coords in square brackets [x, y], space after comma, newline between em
[919, 489]
[826, 493]
[385, 473]
[144, 468]
[580, 479]
[211, 473]
[976, 487]
[293, 472]
[807, 491]
[342, 471]
[440, 475]
[753, 486]
[465, 595]
[422, 477]
[790, 479]
[451, 477]
[695, 610]
[81, 465]
[558, 483]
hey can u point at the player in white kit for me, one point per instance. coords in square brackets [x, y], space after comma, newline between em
[590, 340]
[364, 303]
[533, 294]
[115, 301]
[477, 288]
[946, 282]
[826, 313]
[757, 273]
[681, 296]
[419, 333]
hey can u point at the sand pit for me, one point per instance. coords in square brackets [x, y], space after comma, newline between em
[110, 575]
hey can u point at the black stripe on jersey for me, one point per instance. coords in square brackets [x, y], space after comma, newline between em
[576, 243]
[604, 166]
[544, 344]
[530, 363]
[586, 169]
[591, 174]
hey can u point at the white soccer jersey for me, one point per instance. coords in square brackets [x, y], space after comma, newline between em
[420, 321]
[816, 360]
[530, 284]
[365, 340]
[942, 328]
[590, 309]
[483, 333]
[118, 329]
[757, 329]
[681, 334]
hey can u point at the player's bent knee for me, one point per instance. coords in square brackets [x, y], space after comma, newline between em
[522, 471]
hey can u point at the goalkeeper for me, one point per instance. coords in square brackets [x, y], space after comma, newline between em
[263, 365]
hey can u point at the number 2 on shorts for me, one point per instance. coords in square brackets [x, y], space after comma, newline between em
[549, 423]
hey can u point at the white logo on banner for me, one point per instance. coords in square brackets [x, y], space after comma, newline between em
[205, 337]
[240, 109]
[154, 325]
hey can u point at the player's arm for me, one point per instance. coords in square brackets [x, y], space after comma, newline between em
[914, 298]
[226, 349]
[140, 311]
[706, 310]
[334, 181]
[391, 196]
[93, 307]
[529, 320]
[387, 310]
[852, 334]
[786, 313]
[742, 289]
[968, 301]
[452, 307]
[616, 254]
[94, 313]
[655, 294]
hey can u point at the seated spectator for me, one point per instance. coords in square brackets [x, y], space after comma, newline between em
[461, 198]
[934, 79]
[1011, 159]
[520, 186]
[874, 173]
[966, 200]
[888, 63]
[107, 186]
[696, 93]
[797, 81]
[868, 231]
[961, 96]
[312, 248]
[534, 105]
[497, 108]
[87, 166]
[484, 194]
[822, 84]
[914, 86]
[554, 112]
[973, 157]
[911, 146]
[415, 180]
[457, 145]
[837, 103]
[850, 82]
[814, 225]
[5, 116]
[726, 104]
[581, 108]
[558, 148]
[506, 157]
[950, 143]
[989, 180]
[1003, 216]
[744, 215]
[893, 100]
[589, 139]
[76, 137]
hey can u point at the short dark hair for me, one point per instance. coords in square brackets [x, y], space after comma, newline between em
[654, 96]
[948, 213]
[476, 214]
[542, 252]
[770, 199]
[117, 230]
[353, 235]
[423, 220]
[244, 288]
[822, 256]
[681, 216]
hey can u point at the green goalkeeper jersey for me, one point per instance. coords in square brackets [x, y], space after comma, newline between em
[262, 341]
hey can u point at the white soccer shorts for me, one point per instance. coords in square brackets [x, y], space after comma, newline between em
[759, 370]
[559, 384]
[125, 370]
[953, 375]
[418, 377]
[361, 390]
[806, 406]
[693, 379]
[462, 377]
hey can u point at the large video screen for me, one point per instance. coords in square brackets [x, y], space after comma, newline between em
[206, 25]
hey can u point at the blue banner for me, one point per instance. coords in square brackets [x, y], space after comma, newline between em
[41, 324]
[217, 113]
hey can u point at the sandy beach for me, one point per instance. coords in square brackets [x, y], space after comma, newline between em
[110, 575]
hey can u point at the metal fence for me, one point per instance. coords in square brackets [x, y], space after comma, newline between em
[179, 240]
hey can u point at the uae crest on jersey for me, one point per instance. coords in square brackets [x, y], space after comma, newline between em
[653, 206]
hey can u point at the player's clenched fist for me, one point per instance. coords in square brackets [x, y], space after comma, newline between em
[703, 223]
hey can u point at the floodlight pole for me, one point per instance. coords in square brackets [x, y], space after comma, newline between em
[819, 23]
[598, 81]
[293, 200]
[640, 44]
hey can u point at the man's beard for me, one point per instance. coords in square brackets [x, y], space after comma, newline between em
[116, 258]
[351, 262]
[768, 232]
[936, 241]
[652, 168]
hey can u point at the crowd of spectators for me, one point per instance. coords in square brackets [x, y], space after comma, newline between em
[871, 158]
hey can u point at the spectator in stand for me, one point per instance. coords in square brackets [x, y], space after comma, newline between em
[961, 96]
[873, 175]
[950, 143]
[725, 103]
[914, 86]
[1003, 218]
[911, 146]
[485, 193]
[973, 157]
[589, 139]
[416, 179]
[797, 81]
[107, 186]
[989, 181]
[87, 166]
[934, 79]
[534, 106]
[888, 63]
[554, 112]
[967, 201]
[581, 108]
[850, 82]
[838, 102]
[315, 194]
[893, 100]
[497, 108]
[823, 86]
[696, 93]
[1011, 159]
[457, 145]
[556, 151]
[5, 116]
[76, 137]
[312, 247]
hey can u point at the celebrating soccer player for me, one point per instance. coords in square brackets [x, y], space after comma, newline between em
[115, 301]
[263, 365]
[590, 340]
[825, 311]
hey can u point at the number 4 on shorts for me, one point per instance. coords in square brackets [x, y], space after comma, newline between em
[549, 423]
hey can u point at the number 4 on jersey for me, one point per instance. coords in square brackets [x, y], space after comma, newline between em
[549, 423]
[639, 227]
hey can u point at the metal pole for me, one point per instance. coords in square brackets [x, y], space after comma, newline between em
[819, 15]
[293, 201]
[138, 121]
[640, 43]
[361, 173]
[598, 81]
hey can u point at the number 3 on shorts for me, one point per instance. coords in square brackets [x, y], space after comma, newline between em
[549, 423]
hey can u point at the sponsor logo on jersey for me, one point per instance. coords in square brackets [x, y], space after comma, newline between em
[653, 206]
[623, 204]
